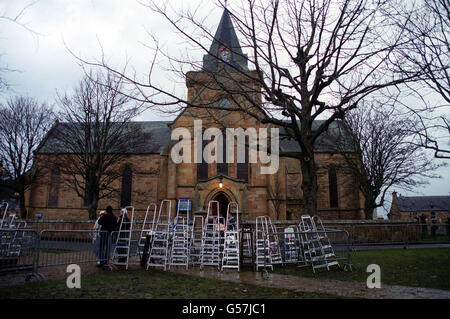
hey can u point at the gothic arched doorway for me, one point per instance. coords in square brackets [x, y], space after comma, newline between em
[223, 200]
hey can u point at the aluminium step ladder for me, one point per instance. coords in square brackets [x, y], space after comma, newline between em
[248, 249]
[318, 251]
[10, 221]
[14, 237]
[325, 241]
[212, 238]
[180, 240]
[195, 246]
[274, 243]
[5, 213]
[290, 245]
[147, 229]
[124, 241]
[263, 259]
[231, 250]
[162, 231]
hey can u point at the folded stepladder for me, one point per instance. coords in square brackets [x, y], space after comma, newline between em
[231, 250]
[161, 235]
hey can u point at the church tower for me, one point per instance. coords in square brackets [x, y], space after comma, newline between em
[216, 94]
[225, 51]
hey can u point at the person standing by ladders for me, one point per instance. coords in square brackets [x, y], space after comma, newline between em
[96, 237]
[108, 224]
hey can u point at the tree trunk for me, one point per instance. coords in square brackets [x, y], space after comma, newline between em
[369, 206]
[309, 183]
[92, 207]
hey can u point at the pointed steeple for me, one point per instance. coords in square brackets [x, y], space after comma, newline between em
[225, 47]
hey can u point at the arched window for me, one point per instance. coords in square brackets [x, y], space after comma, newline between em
[54, 188]
[222, 168]
[125, 194]
[333, 188]
[202, 168]
[242, 168]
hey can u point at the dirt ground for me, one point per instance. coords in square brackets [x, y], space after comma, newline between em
[335, 287]
[47, 273]
[300, 284]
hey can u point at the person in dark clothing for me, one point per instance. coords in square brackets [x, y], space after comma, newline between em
[108, 223]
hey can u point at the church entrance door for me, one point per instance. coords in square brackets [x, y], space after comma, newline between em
[223, 204]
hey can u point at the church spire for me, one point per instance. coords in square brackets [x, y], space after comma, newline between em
[225, 47]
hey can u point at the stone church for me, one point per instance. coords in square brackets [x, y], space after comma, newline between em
[150, 175]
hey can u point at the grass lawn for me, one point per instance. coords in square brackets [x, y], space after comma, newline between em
[437, 238]
[149, 284]
[424, 267]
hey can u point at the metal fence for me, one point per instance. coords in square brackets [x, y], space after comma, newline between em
[19, 250]
[64, 247]
[27, 249]
[397, 234]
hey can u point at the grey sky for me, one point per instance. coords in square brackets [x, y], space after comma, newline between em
[45, 66]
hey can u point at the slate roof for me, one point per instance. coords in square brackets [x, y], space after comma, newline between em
[423, 203]
[225, 36]
[336, 139]
[157, 138]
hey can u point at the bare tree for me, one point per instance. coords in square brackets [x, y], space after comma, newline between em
[428, 51]
[16, 19]
[24, 123]
[434, 134]
[95, 137]
[312, 59]
[276, 195]
[385, 155]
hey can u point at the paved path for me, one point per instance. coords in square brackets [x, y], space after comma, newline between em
[326, 286]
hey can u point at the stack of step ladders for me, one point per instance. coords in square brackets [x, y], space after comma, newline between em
[180, 240]
[15, 238]
[211, 237]
[159, 251]
[231, 251]
[247, 246]
[274, 243]
[263, 259]
[195, 247]
[290, 245]
[5, 214]
[317, 250]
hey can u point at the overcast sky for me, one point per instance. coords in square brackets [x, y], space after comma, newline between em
[44, 66]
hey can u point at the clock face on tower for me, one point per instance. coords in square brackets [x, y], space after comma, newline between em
[225, 54]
